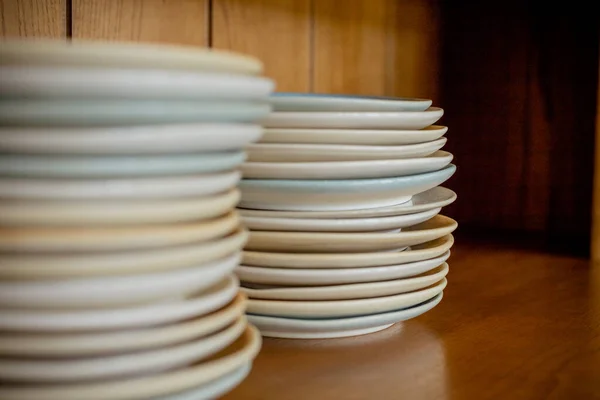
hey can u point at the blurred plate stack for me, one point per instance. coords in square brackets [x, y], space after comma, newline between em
[342, 199]
[118, 229]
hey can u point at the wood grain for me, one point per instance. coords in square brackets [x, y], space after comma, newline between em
[33, 18]
[595, 248]
[275, 31]
[182, 22]
[513, 324]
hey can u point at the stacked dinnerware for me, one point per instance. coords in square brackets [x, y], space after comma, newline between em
[342, 200]
[118, 229]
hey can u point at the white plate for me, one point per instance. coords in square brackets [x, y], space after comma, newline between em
[378, 137]
[348, 291]
[166, 187]
[120, 365]
[34, 112]
[337, 195]
[87, 213]
[98, 54]
[144, 139]
[343, 308]
[119, 83]
[336, 276]
[116, 291]
[338, 225]
[337, 102]
[346, 169]
[295, 328]
[424, 251]
[230, 359]
[325, 242]
[22, 266]
[355, 120]
[61, 345]
[152, 314]
[35, 166]
[436, 197]
[84, 239]
[293, 152]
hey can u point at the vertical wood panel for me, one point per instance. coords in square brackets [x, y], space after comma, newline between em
[596, 206]
[275, 31]
[174, 21]
[33, 18]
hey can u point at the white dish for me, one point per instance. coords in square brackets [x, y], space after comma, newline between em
[116, 291]
[166, 187]
[295, 328]
[36, 166]
[436, 197]
[336, 276]
[86, 53]
[119, 83]
[377, 137]
[61, 345]
[23, 266]
[328, 102]
[432, 249]
[120, 366]
[87, 213]
[355, 120]
[43, 112]
[347, 291]
[343, 308]
[338, 225]
[240, 353]
[152, 314]
[337, 195]
[84, 239]
[346, 169]
[294, 152]
[325, 242]
[118, 140]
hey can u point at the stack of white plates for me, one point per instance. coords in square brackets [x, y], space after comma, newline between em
[118, 229]
[342, 199]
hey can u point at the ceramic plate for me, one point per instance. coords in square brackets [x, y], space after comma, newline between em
[293, 152]
[336, 276]
[119, 188]
[378, 137]
[343, 308]
[120, 83]
[337, 195]
[22, 266]
[135, 140]
[295, 328]
[34, 112]
[347, 292]
[238, 354]
[87, 213]
[151, 314]
[61, 345]
[36, 166]
[84, 239]
[424, 251]
[436, 197]
[85, 53]
[120, 365]
[323, 242]
[355, 120]
[116, 291]
[328, 102]
[346, 169]
[338, 225]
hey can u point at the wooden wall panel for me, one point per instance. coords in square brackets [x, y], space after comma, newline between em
[175, 21]
[276, 31]
[33, 18]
